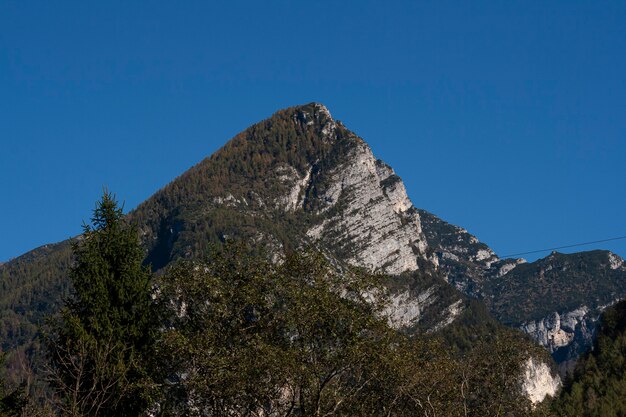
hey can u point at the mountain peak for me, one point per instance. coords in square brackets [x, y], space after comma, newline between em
[312, 107]
[296, 178]
[313, 114]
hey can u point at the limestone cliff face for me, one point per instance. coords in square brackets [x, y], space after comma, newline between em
[349, 201]
[558, 331]
[566, 335]
[356, 210]
[374, 222]
[406, 309]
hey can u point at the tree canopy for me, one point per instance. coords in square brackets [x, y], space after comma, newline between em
[98, 342]
[245, 337]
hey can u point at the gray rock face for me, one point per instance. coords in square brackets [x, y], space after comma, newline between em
[538, 381]
[405, 309]
[561, 330]
[616, 262]
[450, 314]
[296, 184]
[374, 222]
[566, 335]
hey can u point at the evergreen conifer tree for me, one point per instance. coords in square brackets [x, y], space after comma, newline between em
[99, 340]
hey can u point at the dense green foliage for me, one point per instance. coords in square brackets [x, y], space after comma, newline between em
[98, 342]
[245, 337]
[250, 337]
[598, 385]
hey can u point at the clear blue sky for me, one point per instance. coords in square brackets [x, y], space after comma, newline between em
[507, 118]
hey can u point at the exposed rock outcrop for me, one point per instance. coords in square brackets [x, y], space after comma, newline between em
[405, 309]
[539, 381]
[557, 331]
[375, 226]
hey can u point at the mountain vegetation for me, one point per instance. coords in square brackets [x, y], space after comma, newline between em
[182, 219]
[97, 343]
[27, 285]
[33, 286]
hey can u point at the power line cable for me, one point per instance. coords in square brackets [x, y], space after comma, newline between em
[563, 247]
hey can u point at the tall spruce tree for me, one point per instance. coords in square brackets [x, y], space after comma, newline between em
[98, 341]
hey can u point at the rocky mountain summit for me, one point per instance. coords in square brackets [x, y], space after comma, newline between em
[301, 179]
[319, 184]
